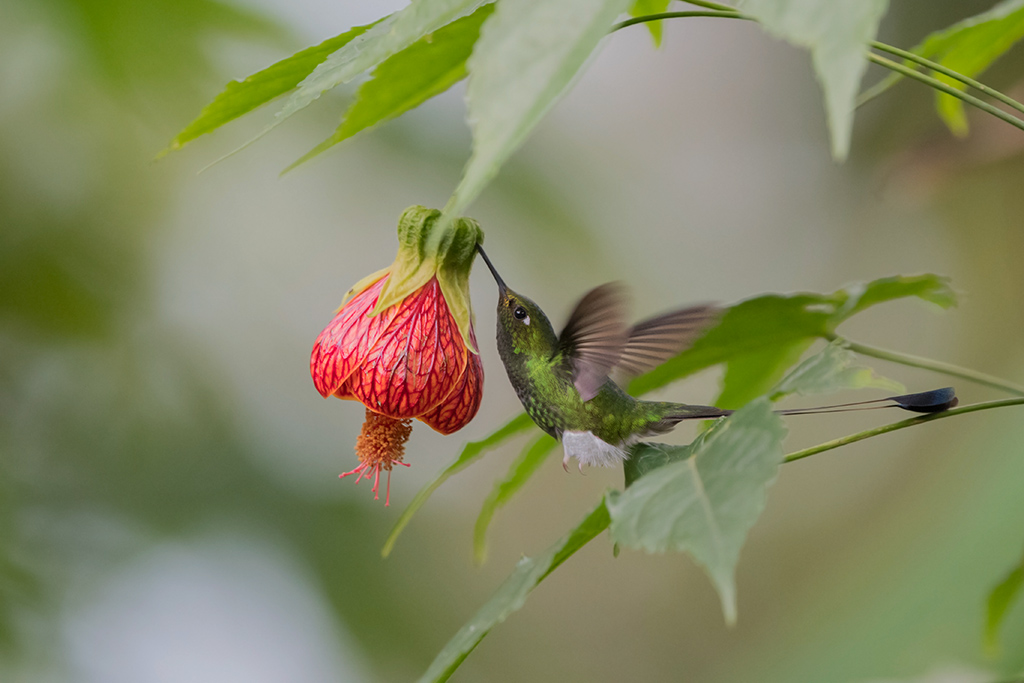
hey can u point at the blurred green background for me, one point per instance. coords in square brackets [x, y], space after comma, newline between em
[169, 503]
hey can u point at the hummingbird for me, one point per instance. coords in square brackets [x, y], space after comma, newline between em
[569, 382]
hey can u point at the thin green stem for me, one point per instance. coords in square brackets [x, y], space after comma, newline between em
[674, 15]
[939, 68]
[885, 429]
[934, 365]
[948, 89]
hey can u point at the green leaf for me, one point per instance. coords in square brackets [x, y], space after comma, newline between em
[773, 326]
[970, 47]
[472, 452]
[387, 37]
[706, 503]
[512, 595]
[754, 374]
[833, 369]
[527, 55]
[528, 462]
[644, 7]
[409, 78]
[999, 602]
[837, 32]
[750, 327]
[860, 296]
[750, 375]
[241, 97]
[646, 457]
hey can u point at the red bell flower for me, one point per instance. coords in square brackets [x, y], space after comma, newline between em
[403, 343]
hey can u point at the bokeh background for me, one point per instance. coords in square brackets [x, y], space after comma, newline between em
[169, 503]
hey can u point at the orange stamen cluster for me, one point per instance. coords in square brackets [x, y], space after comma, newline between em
[380, 446]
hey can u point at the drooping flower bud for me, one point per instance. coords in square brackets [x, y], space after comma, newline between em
[402, 342]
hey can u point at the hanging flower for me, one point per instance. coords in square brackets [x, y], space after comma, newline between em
[403, 345]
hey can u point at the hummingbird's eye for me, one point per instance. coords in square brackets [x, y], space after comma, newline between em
[519, 313]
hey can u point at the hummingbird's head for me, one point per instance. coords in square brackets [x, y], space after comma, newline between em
[522, 325]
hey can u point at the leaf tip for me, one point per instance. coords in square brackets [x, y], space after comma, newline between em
[840, 146]
[727, 593]
[389, 543]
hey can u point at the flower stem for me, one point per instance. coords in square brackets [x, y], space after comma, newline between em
[867, 434]
[676, 15]
[934, 365]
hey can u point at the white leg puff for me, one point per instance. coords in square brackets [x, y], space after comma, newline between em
[590, 450]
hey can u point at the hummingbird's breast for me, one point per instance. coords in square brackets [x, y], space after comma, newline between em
[547, 397]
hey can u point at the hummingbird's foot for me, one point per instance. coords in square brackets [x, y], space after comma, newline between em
[565, 464]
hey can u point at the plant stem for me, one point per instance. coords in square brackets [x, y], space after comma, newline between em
[948, 89]
[867, 434]
[935, 66]
[934, 365]
[675, 15]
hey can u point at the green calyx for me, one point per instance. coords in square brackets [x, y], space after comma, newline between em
[427, 248]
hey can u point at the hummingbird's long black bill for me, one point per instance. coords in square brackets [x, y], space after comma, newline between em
[490, 266]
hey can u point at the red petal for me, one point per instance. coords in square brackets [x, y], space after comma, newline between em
[461, 405]
[418, 360]
[346, 341]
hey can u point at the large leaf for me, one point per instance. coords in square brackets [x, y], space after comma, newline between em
[241, 97]
[406, 80]
[860, 296]
[749, 327]
[1000, 600]
[837, 32]
[512, 594]
[472, 452]
[705, 502]
[750, 375]
[754, 374]
[833, 369]
[528, 53]
[387, 37]
[646, 457]
[970, 47]
[772, 327]
[528, 462]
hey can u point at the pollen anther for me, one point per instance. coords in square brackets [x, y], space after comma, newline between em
[380, 446]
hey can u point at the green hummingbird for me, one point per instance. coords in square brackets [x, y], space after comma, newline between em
[567, 382]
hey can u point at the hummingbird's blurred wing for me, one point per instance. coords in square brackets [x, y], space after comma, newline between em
[595, 336]
[652, 342]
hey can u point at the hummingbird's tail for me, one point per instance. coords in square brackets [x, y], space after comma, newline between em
[934, 401]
